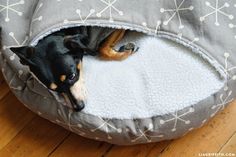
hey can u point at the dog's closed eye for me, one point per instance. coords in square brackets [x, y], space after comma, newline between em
[72, 77]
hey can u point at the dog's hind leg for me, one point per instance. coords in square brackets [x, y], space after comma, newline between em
[107, 52]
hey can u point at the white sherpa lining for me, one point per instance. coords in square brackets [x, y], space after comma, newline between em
[161, 77]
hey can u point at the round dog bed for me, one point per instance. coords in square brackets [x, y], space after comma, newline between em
[182, 75]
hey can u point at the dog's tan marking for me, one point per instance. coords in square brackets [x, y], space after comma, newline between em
[79, 90]
[79, 65]
[106, 50]
[53, 86]
[63, 78]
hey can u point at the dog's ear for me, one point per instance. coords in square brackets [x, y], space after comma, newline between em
[75, 42]
[25, 54]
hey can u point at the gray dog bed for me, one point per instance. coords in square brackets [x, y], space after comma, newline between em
[182, 75]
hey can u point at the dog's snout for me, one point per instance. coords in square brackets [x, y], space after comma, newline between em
[77, 105]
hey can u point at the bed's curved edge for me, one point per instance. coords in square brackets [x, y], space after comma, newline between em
[125, 25]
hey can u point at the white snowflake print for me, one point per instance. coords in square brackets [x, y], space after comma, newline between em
[232, 26]
[17, 44]
[176, 12]
[9, 7]
[104, 124]
[36, 11]
[223, 101]
[36, 19]
[157, 28]
[11, 82]
[194, 40]
[178, 117]
[82, 21]
[228, 69]
[146, 136]
[110, 7]
[17, 87]
[66, 122]
[217, 10]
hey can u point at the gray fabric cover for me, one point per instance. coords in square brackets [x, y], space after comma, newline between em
[208, 27]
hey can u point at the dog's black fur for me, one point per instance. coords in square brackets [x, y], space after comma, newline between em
[59, 54]
[56, 59]
[51, 58]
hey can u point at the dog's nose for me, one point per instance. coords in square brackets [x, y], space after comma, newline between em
[78, 106]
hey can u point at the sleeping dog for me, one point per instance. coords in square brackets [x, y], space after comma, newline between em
[57, 59]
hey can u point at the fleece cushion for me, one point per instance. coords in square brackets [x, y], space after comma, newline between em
[161, 77]
[183, 74]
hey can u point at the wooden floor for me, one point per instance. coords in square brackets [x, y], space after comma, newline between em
[24, 134]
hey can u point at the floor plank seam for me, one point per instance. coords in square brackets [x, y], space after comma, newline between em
[18, 133]
[107, 151]
[147, 155]
[59, 144]
[227, 141]
[167, 147]
[4, 96]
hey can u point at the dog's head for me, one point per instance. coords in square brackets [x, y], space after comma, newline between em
[57, 70]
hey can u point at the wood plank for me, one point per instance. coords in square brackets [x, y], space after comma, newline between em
[4, 89]
[230, 146]
[1, 77]
[159, 147]
[37, 139]
[76, 145]
[141, 150]
[13, 117]
[209, 138]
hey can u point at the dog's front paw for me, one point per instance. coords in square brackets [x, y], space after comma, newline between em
[129, 47]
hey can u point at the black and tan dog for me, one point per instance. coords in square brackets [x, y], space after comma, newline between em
[57, 59]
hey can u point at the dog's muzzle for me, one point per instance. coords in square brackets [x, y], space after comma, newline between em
[76, 95]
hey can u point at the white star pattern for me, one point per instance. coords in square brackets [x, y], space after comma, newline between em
[178, 117]
[223, 102]
[66, 122]
[217, 10]
[20, 72]
[18, 44]
[36, 19]
[176, 12]
[228, 69]
[82, 21]
[194, 40]
[106, 125]
[144, 135]
[110, 7]
[13, 78]
[40, 17]
[157, 28]
[232, 26]
[10, 7]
